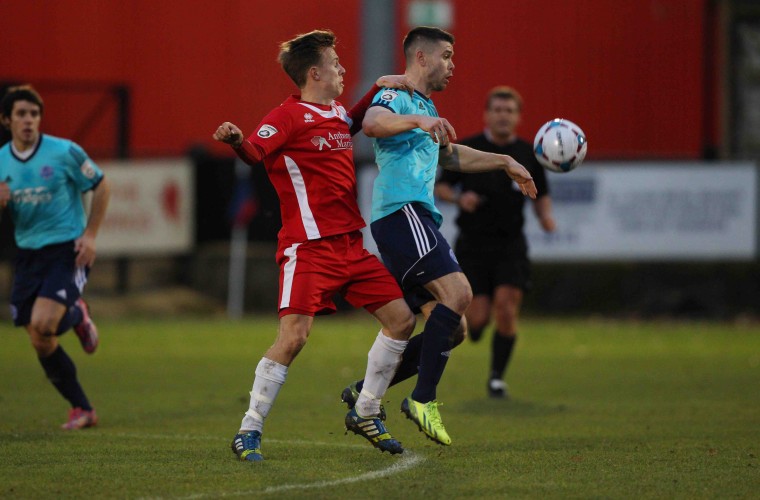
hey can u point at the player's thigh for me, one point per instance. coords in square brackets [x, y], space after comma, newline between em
[453, 290]
[46, 314]
[397, 319]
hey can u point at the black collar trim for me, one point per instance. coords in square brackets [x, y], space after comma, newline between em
[36, 148]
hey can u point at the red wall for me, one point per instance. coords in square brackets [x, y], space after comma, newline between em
[629, 73]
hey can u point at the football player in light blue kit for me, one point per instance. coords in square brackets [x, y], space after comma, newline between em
[411, 141]
[42, 179]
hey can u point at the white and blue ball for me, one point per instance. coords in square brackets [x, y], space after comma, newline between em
[560, 145]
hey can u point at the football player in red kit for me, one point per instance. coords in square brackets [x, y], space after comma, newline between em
[306, 147]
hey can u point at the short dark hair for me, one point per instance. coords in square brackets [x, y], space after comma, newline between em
[19, 93]
[303, 52]
[427, 33]
[504, 92]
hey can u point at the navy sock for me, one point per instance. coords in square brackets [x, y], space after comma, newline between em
[410, 362]
[72, 318]
[436, 347]
[62, 373]
[501, 352]
[476, 333]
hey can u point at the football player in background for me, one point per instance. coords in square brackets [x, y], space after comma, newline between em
[307, 150]
[491, 246]
[411, 141]
[42, 179]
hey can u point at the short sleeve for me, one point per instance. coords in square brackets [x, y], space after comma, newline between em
[273, 131]
[81, 169]
[397, 102]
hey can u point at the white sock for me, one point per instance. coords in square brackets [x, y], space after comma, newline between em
[270, 376]
[382, 361]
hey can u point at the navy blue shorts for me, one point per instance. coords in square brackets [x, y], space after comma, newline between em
[414, 251]
[49, 272]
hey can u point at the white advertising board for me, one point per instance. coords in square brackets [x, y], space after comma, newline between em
[151, 211]
[635, 211]
[650, 211]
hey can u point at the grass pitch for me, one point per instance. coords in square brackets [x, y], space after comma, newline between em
[599, 409]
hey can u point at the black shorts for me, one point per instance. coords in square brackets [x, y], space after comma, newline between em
[49, 272]
[414, 251]
[491, 263]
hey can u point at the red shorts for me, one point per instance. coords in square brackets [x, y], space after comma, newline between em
[311, 273]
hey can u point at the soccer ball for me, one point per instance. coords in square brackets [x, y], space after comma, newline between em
[560, 145]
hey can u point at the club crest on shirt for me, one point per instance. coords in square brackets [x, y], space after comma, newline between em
[389, 95]
[87, 170]
[266, 131]
[46, 172]
[308, 118]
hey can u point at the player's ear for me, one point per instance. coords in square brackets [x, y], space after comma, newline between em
[420, 56]
[5, 121]
[314, 73]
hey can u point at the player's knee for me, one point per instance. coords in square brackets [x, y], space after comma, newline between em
[506, 321]
[404, 327]
[462, 299]
[43, 344]
[44, 326]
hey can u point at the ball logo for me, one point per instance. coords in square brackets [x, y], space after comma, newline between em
[266, 131]
[388, 95]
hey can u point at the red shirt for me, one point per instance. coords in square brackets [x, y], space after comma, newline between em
[308, 155]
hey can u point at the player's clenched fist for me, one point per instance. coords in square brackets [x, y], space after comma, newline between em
[229, 133]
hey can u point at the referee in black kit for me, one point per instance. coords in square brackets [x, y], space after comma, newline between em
[491, 247]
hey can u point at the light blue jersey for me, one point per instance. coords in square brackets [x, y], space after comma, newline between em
[46, 191]
[408, 161]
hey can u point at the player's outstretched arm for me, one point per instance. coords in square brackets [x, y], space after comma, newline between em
[84, 246]
[229, 133]
[382, 122]
[464, 159]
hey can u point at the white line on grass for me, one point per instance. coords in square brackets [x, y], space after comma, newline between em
[407, 461]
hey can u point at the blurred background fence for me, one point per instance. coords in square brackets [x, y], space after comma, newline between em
[666, 91]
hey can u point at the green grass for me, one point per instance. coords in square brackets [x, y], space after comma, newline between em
[600, 409]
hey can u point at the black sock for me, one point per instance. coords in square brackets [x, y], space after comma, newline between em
[436, 348]
[62, 373]
[72, 318]
[410, 363]
[501, 351]
[476, 333]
